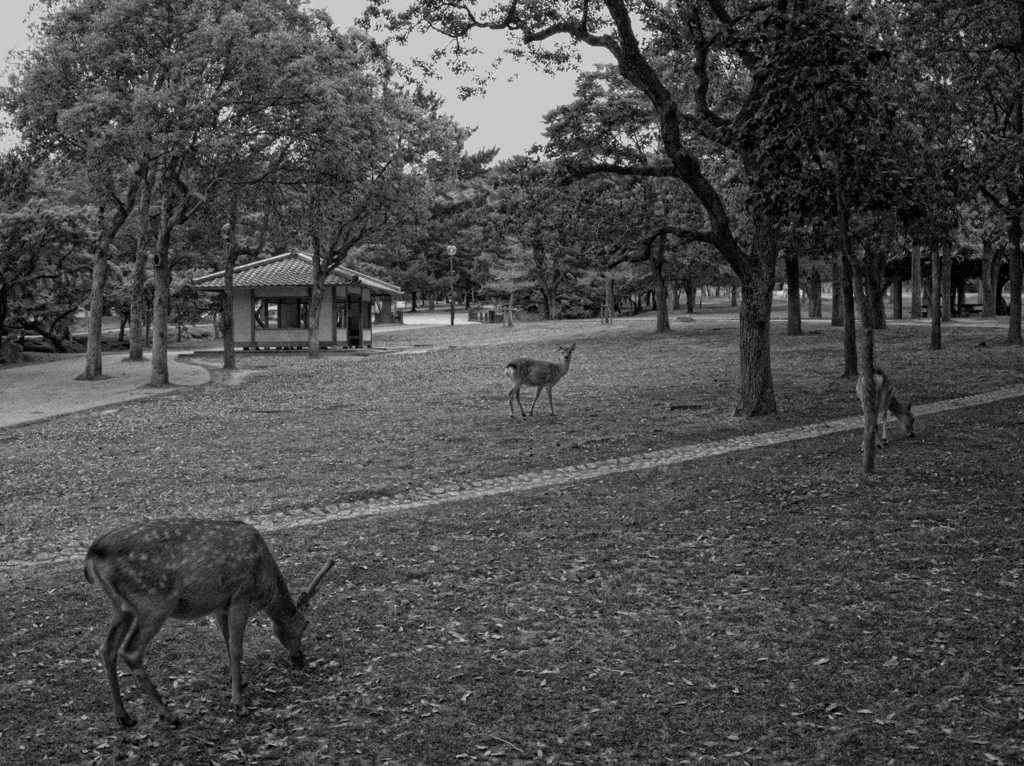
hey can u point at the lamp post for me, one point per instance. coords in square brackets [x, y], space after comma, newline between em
[451, 250]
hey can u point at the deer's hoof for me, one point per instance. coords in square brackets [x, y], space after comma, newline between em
[126, 721]
[241, 710]
[171, 719]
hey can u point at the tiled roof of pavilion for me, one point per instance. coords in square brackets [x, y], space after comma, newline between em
[292, 269]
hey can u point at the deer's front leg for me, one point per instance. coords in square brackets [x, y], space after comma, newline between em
[237, 617]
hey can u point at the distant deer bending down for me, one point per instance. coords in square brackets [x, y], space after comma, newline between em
[188, 568]
[531, 372]
[886, 402]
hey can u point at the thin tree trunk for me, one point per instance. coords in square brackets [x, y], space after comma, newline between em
[838, 295]
[1014, 234]
[849, 320]
[814, 294]
[316, 298]
[934, 300]
[159, 375]
[793, 326]
[137, 322]
[690, 289]
[657, 257]
[316, 295]
[93, 343]
[849, 280]
[915, 282]
[863, 293]
[609, 300]
[988, 280]
[227, 314]
[94, 340]
[947, 286]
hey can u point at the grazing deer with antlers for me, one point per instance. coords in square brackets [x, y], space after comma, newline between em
[543, 375]
[886, 402]
[188, 568]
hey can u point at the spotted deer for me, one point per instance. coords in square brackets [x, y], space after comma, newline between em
[189, 568]
[542, 375]
[886, 402]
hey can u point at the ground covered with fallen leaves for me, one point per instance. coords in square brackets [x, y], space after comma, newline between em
[770, 606]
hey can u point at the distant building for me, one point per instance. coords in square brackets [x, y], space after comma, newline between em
[271, 303]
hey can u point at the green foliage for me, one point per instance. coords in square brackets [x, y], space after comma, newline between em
[44, 264]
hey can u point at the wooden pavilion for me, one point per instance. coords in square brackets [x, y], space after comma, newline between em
[271, 303]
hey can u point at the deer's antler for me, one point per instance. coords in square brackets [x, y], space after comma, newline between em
[309, 592]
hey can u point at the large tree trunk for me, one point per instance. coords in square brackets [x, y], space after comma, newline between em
[793, 326]
[989, 278]
[1014, 235]
[691, 294]
[757, 390]
[849, 319]
[316, 299]
[159, 374]
[93, 343]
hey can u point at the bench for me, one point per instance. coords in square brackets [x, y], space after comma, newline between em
[964, 309]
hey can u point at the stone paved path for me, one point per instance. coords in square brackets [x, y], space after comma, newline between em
[308, 516]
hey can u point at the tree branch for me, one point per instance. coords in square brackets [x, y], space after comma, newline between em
[685, 236]
[657, 171]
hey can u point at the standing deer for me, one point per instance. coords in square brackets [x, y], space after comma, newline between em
[531, 372]
[188, 568]
[886, 402]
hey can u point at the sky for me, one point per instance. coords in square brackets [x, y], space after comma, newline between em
[509, 116]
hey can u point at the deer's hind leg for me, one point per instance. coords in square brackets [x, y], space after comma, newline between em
[236, 618]
[540, 390]
[108, 652]
[133, 650]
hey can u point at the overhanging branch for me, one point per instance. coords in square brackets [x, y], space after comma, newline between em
[685, 236]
